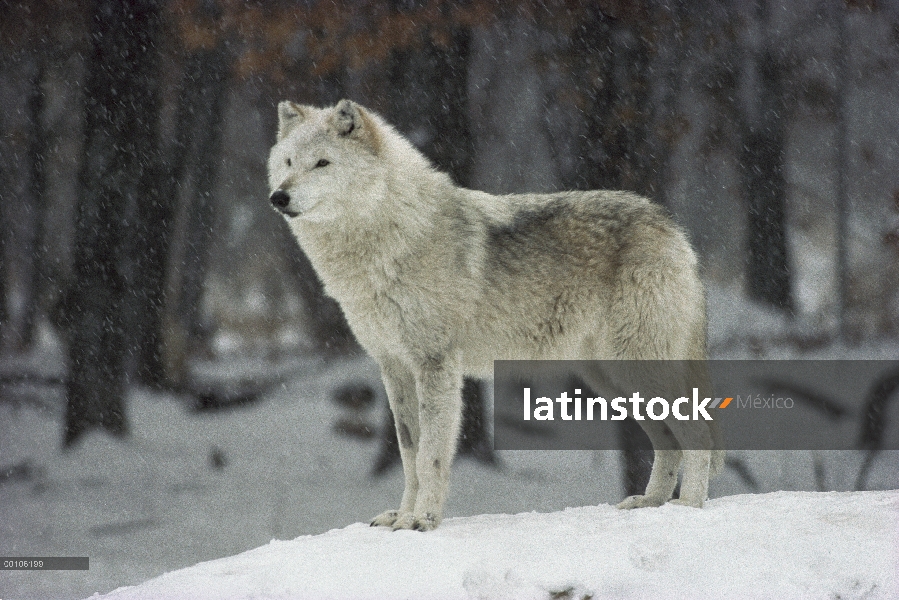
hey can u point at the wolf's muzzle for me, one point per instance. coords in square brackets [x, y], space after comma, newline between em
[280, 199]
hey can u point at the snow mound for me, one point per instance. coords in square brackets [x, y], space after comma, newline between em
[778, 545]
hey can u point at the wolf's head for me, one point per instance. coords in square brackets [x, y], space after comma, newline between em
[325, 162]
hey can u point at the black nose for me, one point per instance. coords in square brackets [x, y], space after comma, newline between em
[280, 199]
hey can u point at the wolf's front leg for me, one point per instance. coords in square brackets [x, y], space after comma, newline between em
[439, 413]
[403, 399]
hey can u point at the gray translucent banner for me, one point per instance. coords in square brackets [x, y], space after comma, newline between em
[757, 404]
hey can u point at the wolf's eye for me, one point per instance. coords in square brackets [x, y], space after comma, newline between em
[289, 163]
[322, 163]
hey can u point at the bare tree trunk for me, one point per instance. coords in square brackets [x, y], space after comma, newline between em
[616, 147]
[451, 145]
[762, 159]
[157, 213]
[37, 201]
[5, 196]
[663, 90]
[24, 146]
[511, 141]
[117, 148]
[842, 167]
[212, 79]
[6, 200]
[173, 329]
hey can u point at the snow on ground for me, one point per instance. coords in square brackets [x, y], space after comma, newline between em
[778, 545]
[188, 487]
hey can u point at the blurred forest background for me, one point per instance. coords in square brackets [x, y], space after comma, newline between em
[137, 233]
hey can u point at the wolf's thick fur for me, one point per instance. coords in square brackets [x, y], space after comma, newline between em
[438, 281]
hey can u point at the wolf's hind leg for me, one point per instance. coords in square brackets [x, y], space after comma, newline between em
[401, 395]
[665, 464]
[695, 487]
[696, 439]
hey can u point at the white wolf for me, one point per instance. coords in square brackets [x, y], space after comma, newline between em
[438, 281]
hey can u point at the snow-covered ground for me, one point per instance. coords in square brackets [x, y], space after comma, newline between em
[189, 487]
[777, 545]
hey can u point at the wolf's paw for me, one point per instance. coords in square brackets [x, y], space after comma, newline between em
[640, 502]
[425, 522]
[684, 502]
[385, 519]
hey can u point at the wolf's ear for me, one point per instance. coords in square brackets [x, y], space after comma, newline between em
[350, 120]
[290, 115]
